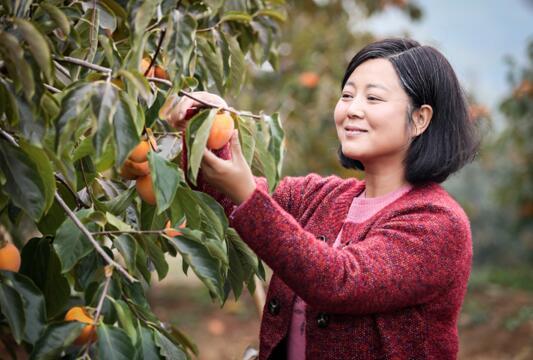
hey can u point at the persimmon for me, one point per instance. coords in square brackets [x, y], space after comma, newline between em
[221, 131]
[145, 63]
[88, 333]
[140, 153]
[144, 186]
[161, 73]
[9, 258]
[170, 231]
[132, 170]
[308, 79]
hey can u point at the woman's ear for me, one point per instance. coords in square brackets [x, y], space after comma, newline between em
[421, 119]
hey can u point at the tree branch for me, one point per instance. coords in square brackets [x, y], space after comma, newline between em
[88, 234]
[118, 232]
[83, 63]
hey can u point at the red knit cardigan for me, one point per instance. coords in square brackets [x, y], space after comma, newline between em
[392, 290]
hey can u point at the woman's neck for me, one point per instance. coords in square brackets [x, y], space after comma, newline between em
[379, 183]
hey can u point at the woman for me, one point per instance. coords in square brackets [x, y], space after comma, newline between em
[372, 269]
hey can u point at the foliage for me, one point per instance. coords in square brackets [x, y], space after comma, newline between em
[73, 106]
[306, 86]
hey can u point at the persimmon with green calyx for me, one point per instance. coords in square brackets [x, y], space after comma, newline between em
[78, 313]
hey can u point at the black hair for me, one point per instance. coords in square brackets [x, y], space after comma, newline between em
[451, 140]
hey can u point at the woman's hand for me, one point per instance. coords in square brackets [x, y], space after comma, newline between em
[187, 107]
[231, 177]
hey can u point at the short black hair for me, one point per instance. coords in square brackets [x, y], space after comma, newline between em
[451, 140]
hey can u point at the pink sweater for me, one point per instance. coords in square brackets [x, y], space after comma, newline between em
[360, 210]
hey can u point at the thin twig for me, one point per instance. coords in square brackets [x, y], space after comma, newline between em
[86, 183]
[183, 93]
[88, 234]
[84, 63]
[118, 232]
[8, 137]
[108, 271]
[62, 69]
[79, 201]
[152, 62]
[162, 81]
[52, 89]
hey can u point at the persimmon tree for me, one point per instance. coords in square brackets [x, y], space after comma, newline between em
[82, 83]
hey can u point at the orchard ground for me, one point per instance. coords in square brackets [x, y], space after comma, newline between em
[496, 321]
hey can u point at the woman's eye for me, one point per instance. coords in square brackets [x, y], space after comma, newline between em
[345, 96]
[373, 98]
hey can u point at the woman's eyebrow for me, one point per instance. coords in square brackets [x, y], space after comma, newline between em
[369, 86]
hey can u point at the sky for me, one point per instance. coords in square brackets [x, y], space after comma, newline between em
[474, 35]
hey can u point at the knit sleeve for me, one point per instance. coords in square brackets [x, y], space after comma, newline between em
[406, 260]
[288, 193]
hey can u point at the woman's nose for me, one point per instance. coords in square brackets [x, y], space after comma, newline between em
[355, 109]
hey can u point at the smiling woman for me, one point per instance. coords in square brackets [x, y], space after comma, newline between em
[372, 269]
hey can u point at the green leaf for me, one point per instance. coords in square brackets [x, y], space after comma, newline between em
[184, 340]
[166, 179]
[213, 61]
[104, 104]
[167, 348]
[113, 343]
[236, 16]
[125, 131]
[106, 17]
[73, 117]
[56, 338]
[140, 14]
[276, 15]
[237, 70]
[127, 247]
[118, 204]
[33, 300]
[157, 257]
[236, 272]
[70, 244]
[263, 162]
[246, 137]
[179, 42]
[125, 318]
[23, 183]
[139, 81]
[117, 223]
[42, 265]
[275, 145]
[45, 170]
[37, 45]
[57, 16]
[20, 70]
[190, 246]
[197, 134]
[12, 306]
[186, 202]
[214, 211]
[149, 350]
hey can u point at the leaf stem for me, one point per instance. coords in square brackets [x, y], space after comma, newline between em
[52, 89]
[88, 234]
[118, 232]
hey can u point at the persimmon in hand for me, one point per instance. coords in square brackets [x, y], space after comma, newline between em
[221, 131]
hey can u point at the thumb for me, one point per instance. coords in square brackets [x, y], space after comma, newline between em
[236, 151]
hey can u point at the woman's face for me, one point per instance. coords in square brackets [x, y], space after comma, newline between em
[371, 115]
